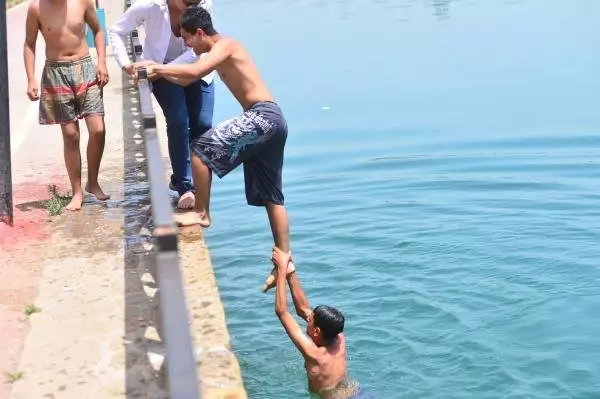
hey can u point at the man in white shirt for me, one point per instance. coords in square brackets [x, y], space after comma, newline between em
[188, 110]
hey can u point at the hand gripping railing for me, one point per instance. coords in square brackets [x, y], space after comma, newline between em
[180, 361]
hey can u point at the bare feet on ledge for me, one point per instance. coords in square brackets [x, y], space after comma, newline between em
[96, 191]
[192, 218]
[271, 280]
[75, 203]
[186, 201]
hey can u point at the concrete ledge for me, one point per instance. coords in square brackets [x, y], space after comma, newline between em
[218, 369]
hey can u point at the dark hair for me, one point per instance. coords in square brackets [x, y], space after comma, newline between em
[195, 18]
[329, 320]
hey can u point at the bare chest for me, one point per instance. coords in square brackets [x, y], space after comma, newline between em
[58, 20]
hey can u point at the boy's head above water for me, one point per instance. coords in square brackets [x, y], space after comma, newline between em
[325, 324]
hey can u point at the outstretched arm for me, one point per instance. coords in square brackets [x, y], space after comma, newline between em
[302, 342]
[118, 34]
[152, 75]
[189, 73]
[300, 302]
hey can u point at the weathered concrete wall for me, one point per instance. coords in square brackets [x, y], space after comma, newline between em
[219, 368]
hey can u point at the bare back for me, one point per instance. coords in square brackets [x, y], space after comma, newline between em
[329, 370]
[62, 23]
[240, 75]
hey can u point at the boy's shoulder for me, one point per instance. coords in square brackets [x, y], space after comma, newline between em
[228, 42]
[229, 46]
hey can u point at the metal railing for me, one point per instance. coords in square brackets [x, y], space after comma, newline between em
[183, 382]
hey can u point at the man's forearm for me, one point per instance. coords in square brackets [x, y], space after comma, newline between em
[181, 72]
[280, 294]
[29, 58]
[300, 301]
[100, 46]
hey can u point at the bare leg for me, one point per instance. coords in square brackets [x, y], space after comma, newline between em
[202, 181]
[279, 226]
[281, 236]
[95, 149]
[70, 134]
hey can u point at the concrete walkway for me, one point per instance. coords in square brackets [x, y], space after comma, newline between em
[95, 330]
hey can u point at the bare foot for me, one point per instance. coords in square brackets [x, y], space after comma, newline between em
[75, 203]
[97, 191]
[271, 280]
[186, 201]
[192, 218]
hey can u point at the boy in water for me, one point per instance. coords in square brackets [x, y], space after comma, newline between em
[71, 83]
[256, 138]
[324, 345]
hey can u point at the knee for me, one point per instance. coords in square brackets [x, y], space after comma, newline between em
[197, 161]
[177, 128]
[71, 139]
[206, 117]
[202, 125]
[205, 123]
[97, 132]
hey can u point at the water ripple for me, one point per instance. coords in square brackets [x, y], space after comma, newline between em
[442, 192]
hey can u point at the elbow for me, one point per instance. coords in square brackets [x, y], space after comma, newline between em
[116, 30]
[190, 76]
[303, 313]
[97, 31]
[279, 311]
[115, 35]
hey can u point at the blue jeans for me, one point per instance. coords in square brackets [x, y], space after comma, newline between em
[189, 113]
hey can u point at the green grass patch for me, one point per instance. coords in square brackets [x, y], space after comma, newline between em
[31, 309]
[14, 376]
[12, 3]
[57, 201]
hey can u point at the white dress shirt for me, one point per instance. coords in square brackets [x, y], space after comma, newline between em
[154, 15]
[175, 49]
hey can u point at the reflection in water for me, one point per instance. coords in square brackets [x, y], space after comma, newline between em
[449, 188]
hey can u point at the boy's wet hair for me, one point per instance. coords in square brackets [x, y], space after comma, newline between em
[329, 320]
[197, 18]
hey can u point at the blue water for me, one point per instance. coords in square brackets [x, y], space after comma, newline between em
[442, 181]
